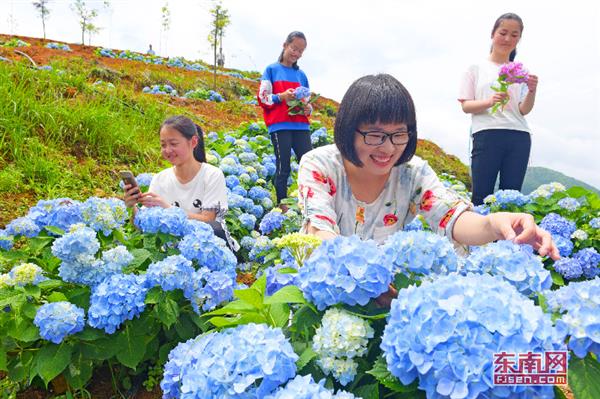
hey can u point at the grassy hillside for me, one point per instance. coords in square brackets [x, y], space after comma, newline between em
[537, 175]
[64, 134]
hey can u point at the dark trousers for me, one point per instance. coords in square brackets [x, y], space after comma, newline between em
[283, 142]
[498, 151]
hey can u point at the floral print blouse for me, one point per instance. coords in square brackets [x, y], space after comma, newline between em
[326, 199]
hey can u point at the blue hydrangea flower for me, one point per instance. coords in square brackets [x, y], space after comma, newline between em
[104, 214]
[208, 289]
[345, 270]
[503, 198]
[144, 179]
[444, 333]
[212, 136]
[304, 387]
[247, 242]
[239, 190]
[229, 364]
[247, 158]
[568, 203]
[414, 225]
[514, 263]
[272, 221]
[247, 220]
[301, 92]
[558, 225]
[590, 262]
[580, 235]
[595, 223]
[171, 220]
[420, 252]
[235, 200]
[80, 242]
[578, 303]
[173, 272]
[482, 210]
[58, 320]
[267, 203]
[319, 137]
[208, 251]
[232, 181]
[569, 268]
[261, 245]
[88, 270]
[277, 280]
[564, 245]
[6, 240]
[117, 299]
[26, 274]
[23, 226]
[258, 193]
[60, 212]
[256, 210]
[339, 339]
[546, 190]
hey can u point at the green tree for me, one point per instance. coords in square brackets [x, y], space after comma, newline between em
[86, 18]
[165, 24]
[42, 8]
[219, 22]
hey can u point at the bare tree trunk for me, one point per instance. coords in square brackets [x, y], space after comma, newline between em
[44, 27]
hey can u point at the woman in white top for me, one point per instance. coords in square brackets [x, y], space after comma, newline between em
[501, 140]
[370, 184]
[191, 184]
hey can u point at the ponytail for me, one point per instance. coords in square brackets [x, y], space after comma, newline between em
[199, 151]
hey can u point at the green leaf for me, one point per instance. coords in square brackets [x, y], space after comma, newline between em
[3, 365]
[23, 330]
[250, 296]
[401, 281]
[584, 377]
[55, 230]
[287, 294]
[383, 375]
[52, 359]
[235, 307]
[140, 256]
[11, 297]
[280, 313]
[130, 348]
[305, 321]
[57, 296]
[79, 371]
[237, 320]
[186, 328]
[557, 278]
[154, 295]
[50, 284]
[168, 311]
[305, 358]
[261, 284]
[33, 290]
[558, 393]
[101, 349]
[29, 310]
[370, 391]
[36, 244]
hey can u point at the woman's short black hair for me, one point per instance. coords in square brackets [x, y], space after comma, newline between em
[371, 99]
[188, 129]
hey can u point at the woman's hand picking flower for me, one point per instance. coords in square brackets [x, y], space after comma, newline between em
[287, 95]
[521, 229]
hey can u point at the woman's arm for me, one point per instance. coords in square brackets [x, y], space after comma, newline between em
[322, 234]
[204, 216]
[479, 106]
[473, 229]
[527, 104]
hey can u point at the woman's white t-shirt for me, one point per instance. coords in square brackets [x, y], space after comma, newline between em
[476, 84]
[205, 192]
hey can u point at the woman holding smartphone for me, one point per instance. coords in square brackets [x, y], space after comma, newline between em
[191, 183]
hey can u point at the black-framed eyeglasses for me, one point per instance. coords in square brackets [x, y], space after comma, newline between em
[378, 138]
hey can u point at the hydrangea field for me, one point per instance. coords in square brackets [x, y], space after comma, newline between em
[158, 303]
[162, 301]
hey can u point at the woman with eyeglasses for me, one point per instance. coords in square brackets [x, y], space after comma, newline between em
[277, 87]
[501, 139]
[369, 182]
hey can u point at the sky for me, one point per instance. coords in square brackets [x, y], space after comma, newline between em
[427, 45]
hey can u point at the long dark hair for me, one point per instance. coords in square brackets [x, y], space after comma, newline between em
[290, 38]
[188, 129]
[503, 17]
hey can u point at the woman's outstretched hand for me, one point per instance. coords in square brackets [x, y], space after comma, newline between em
[521, 229]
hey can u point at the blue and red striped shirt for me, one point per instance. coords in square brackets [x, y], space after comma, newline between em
[278, 78]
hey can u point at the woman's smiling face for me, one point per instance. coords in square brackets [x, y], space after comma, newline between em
[379, 159]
